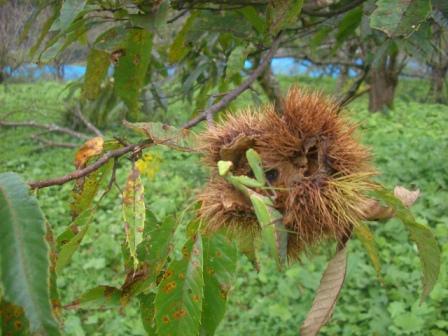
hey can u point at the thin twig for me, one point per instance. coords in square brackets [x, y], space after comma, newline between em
[348, 96]
[49, 143]
[86, 122]
[49, 127]
[211, 110]
[178, 16]
[89, 169]
[335, 12]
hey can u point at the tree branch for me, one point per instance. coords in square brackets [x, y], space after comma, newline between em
[343, 9]
[86, 122]
[89, 169]
[332, 62]
[49, 127]
[49, 143]
[351, 93]
[211, 110]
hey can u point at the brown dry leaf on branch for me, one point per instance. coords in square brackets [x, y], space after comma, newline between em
[90, 148]
[407, 197]
[373, 210]
[327, 294]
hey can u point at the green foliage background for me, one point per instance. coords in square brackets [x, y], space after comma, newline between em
[410, 146]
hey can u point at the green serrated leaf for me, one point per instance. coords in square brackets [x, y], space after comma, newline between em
[153, 20]
[99, 297]
[64, 38]
[13, 320]
[179, 48]
[86, 189]
[399, 18]
[229, 22]
[251, 15]
[45, 28]
[112, 40]
[25, 254]
[220, 257]
[256, 165]
[54, 293]
[317, 39]
[147, 312]
[348, 24]
[69, 11]
[130, 72]
[179, 297]
[235, 62]
[366, 237]
[282, 14]
[422, 236]
[154, 250]
[133, 211]
[69, 241]
[97, 66]
[30, 22]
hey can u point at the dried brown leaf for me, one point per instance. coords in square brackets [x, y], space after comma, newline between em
[90, 148]
[407, 197]
[327, 294]
[373, 210]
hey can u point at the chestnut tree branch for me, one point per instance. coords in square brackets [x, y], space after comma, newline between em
[86, 122]
[343, 9]
[49, 127]
[208, 113]
[91, 168]
[49, 143]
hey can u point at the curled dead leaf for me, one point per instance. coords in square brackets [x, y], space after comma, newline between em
[327, 294]
[90, 148]
[407, 197]
[373, 210]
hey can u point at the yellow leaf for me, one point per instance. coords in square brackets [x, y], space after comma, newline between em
[90, 148]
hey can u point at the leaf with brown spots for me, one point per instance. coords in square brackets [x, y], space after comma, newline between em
[220, 257]
[153, 251]
[13, 320]
[24, 270]
[86, 189]
[178, 300]
[130, 71]
[98, 62]
[147, 312]
[133, 211]
[69, 247]
[99, 297]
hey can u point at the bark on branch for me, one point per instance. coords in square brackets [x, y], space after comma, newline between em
[91, 168]
[48, 127]
[335, 12]
[86, 122]
[229, 97]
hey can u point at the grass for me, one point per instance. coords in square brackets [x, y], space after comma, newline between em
[410, 147]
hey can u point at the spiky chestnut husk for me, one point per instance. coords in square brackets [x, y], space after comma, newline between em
[320, 170]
